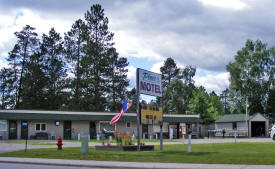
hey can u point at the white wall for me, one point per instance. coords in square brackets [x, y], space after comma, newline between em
[80, 127]
[226, 126]
[241, 126]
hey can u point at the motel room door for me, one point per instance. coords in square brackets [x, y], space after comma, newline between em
[92, 130]
[12, 129]
[67, 130]
[24, 130]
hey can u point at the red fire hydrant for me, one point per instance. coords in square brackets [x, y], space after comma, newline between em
[59, 143]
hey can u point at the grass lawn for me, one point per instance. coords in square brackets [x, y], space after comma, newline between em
[227, 153]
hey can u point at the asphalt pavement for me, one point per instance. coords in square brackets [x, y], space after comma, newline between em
[125, 165]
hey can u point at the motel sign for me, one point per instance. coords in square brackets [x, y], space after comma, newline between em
[149, 83]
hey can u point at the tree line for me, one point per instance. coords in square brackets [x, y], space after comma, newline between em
[251, 89]
[81, 71]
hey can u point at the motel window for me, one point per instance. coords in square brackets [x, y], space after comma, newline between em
[40, 127]
[128, 124]
[3, 125]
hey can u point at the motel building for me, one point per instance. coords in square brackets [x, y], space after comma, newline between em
[36, 124]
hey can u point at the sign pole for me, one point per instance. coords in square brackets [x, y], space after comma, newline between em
[138, 111]
[161, 124]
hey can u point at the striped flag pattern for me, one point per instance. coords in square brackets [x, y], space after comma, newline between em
[125, 107]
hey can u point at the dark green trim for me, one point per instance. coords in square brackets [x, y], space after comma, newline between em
[37, 116]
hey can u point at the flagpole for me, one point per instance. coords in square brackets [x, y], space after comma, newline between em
[138, 111]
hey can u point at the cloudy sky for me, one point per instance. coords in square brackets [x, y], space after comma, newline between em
[203, 33]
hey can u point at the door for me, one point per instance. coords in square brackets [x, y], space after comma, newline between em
[67, 130]
[12, 129]
[92, 130]
[258, 129]
[24, 130]
[144, 130]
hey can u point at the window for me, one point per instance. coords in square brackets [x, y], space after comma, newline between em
[234, 125]
[57, 123]
[3, 125]
[128, 124]
[40, 127]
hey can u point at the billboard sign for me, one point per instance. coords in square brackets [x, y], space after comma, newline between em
[151, 114]
[149, 83]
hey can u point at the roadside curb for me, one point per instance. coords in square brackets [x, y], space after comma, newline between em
[125, 165]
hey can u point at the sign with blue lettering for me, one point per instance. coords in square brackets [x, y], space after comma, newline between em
[149, 83]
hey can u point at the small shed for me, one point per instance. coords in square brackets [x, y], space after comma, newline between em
[252, 126]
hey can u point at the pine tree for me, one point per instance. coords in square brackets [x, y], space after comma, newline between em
[95, 63]
[26, 45]
[73, 44]
[118, 80]
[3, 87]
[55, 72]
[34, 84]
[169, 71]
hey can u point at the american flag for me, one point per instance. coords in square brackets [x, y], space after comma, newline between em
[125, 107]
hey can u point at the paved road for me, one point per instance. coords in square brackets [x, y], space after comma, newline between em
[124, 165]
[35, 166]
[9, 147]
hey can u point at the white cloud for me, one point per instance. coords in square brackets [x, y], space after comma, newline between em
[156, 67]
[131, 75]
[228, 4]
[15, 21]
[213, 82]
[130, 45]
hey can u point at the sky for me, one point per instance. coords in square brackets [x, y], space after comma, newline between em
[203, 33]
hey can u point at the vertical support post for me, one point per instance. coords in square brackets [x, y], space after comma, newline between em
[189, 143]
[235, 135]
[183, 139]
[138, 110]
[161, 133]
[26, 143]
[161, 137]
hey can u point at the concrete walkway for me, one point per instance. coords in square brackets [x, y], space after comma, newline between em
[126, 165]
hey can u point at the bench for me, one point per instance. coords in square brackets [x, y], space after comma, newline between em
[40, 136]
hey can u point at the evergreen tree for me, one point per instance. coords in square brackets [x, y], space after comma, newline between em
[169, 71]
[118, 80]
[55, 71]
[3, 87]
[224, 97]
[34, 84]
[270, 109]
[73, 44]
[209, 107]
[95, 63]
[173, 99]
[26, 45]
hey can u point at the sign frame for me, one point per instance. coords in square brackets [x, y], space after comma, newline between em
[152, 82]
[149, 83]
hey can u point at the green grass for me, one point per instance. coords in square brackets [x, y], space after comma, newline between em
[227, 153]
